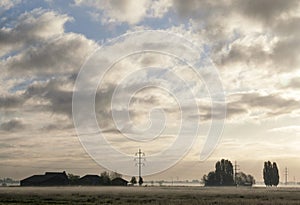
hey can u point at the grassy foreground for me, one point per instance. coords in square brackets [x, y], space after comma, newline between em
[148, 195]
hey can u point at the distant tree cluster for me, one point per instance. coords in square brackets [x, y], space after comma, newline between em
[105, 178]
[133, 181]
[270, 174]
[6, 181]
[141, 181]
[243, 179]
[222, 176]
[73, 179]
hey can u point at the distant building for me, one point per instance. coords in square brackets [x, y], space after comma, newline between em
[48, 179]
[119, 182]
[61, 179]
[90, 180]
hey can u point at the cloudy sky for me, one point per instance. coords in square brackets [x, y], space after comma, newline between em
[252, 45]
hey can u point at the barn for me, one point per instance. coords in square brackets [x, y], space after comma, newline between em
[90, 180]
[119, 182]
[48, 179]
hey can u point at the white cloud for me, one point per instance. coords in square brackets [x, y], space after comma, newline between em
[7, 4]
[61, 56]
[40, 68]
[294, 129]
[129, 11]
[159, 8]
[32, 27]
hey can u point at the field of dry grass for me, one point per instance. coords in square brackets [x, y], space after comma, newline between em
[148, 195]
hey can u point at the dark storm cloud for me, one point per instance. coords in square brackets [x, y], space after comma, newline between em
[208, 16]
[243, 104]
[261, 10]
[60, 100]
[276, 18]
[40, 45]
[65, 55]
[46, 59]
[289, 27]
[12, 101]
[61, 56]
[265, 10]
[286, 54]
[271, 105]
[12, 125]
[59, 126]
[252, 54]
[283, 57]
[231, 113]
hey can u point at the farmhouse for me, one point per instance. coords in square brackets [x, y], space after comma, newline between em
[48, 179]
[119, 182]
[61, 179]
[91, 180]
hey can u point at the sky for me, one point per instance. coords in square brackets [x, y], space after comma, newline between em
[174, 78]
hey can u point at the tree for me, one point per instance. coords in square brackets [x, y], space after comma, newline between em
[105, 179]
[160, 182]
[222, 176]
[250, 179]
[270, 174]
[211, 179]
[266, 174]
[141, 181]
[275, 179]
[133, 180]
[73, 179]
[241, 178]
[224, 173]
[152, 183]
[204, 179]
[244, 180]
[114, 175]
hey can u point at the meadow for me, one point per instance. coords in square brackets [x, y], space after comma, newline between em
[148, 195]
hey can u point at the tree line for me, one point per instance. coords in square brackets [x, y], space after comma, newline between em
[133, 181]
[224, 175]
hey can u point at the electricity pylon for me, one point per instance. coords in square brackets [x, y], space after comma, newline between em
[140, 158]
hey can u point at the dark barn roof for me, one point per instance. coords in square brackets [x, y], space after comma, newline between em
[90, 180]
[48, 179]
[119, 182]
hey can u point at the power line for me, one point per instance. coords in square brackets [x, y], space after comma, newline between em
[236, 169]
[140, 158]
[286, 175]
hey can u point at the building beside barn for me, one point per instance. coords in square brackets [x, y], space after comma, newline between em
[48, 179]
[90, 180]
[119, 182]
[61, 179]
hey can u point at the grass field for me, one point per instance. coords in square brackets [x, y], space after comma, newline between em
[148, 195]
